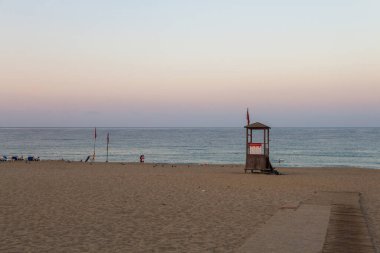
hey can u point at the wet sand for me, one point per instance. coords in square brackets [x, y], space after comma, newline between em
[57, 206]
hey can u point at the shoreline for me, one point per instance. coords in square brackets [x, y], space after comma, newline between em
[194, 164]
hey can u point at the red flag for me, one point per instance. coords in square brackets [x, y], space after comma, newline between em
[247, 117]
[108, 138]
[95, 133]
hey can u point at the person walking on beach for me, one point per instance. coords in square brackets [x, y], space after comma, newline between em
[142, 158]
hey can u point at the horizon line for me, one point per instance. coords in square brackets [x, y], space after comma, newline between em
[120, 127]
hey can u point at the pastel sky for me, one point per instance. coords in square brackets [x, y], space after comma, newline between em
[189, 63]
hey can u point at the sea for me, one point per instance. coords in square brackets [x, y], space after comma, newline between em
[289, 147]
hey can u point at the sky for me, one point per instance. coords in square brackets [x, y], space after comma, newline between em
[199, 63]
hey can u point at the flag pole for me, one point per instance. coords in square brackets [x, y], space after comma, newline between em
[93, 157]
[248, 120]
[108, 140]
[249, 133]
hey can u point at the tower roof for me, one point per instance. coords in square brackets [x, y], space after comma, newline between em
[257, 125]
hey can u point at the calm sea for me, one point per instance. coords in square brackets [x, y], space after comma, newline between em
[297, 147]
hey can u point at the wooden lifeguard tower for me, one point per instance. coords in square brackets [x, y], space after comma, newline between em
[257, 149]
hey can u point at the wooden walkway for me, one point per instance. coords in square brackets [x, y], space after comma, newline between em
[329, 222]
[347, 231]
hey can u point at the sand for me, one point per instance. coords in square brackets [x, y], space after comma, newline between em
[57, 206]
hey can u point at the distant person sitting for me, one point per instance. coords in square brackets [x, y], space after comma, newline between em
[33, 159]
[142, 158]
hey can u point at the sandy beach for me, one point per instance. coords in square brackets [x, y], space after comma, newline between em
[58, 206]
